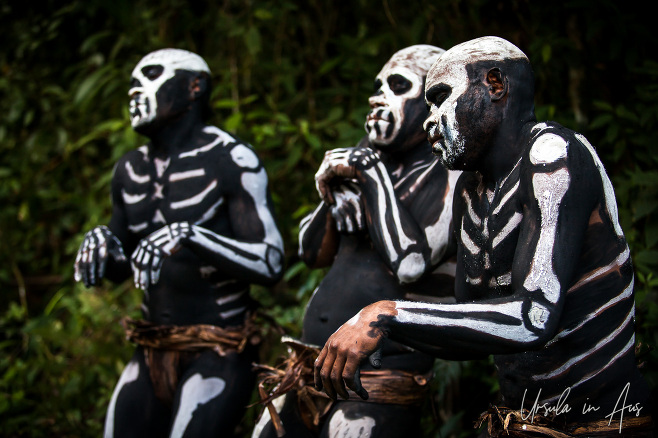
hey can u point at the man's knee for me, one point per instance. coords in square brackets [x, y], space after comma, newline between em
[195, 392]
[350, 424]
[359, 419]
[264, 427]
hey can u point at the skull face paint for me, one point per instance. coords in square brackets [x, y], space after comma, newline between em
[397, 106]
[456, 93]
[150, 74]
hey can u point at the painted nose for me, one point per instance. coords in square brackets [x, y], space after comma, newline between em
[135, 91]
[377, 100]
[429, 123]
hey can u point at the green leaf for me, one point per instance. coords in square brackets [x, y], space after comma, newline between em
[252, 40]
[647, 257]
[91, 85]
[651, 234]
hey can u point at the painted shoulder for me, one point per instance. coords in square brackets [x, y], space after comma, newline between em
[244, 156]
[130, 160]
[549, 144]
[553, 143]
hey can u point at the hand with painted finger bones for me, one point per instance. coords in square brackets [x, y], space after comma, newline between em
[347, 210]
[91, 261]
[360, 338]
[148, 257]
[341, 164]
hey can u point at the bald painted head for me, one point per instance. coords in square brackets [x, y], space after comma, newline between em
[474, 90]
[397, 106]
[164, 84]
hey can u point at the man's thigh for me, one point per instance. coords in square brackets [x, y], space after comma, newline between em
[372, 420]
[212, 394]
[134, 410]
[286, 407]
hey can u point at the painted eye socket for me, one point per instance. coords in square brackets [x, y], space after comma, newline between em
[152, 72]
[399, 84]
[437, 94]
[376, 86]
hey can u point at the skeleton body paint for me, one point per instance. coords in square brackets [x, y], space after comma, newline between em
[382, 226]
[192, 225]
[544, 279]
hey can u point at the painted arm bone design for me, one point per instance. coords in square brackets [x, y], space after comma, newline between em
[92, 257]
[499, 326]
[341, 164]
[396, 234]
[262, 260]
[259, 260]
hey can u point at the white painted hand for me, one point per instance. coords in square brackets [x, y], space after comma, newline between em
[91, 260]
[148, 257]
[348, 208]
[335, 165]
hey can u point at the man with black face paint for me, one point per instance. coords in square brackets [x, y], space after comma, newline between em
[192, 210]
[544, 280]
[383, 227]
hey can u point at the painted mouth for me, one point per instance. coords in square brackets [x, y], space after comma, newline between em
[134, 109]
[437, 141]
[380, 114]
[138, 108]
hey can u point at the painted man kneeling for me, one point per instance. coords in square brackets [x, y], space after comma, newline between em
[544, 278]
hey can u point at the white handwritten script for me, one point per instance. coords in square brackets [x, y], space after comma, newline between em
[562, 407]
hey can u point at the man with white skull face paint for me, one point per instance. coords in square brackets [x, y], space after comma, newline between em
[544, 280]
[383, 227]
[192, 222]
[149, 75]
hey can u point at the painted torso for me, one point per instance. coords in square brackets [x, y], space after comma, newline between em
[193, 185]
[359, 275]
[591, 351]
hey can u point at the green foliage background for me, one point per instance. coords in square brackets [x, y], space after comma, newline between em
[292, 78]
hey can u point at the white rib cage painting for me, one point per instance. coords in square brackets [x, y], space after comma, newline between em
[492, 237]
[161, 166]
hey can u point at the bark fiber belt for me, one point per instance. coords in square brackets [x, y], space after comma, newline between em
[296, 373]
[504, 422]
[166, 347]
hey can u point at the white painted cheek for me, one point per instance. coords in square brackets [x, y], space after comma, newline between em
[396, 106]
[150, 90]
[453, 138]
[196, 391]
[146, 101]
[341, 426]
[452, 135]
[399, 103]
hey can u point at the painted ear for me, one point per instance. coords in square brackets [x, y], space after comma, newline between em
[198, 86]
[498, 84]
